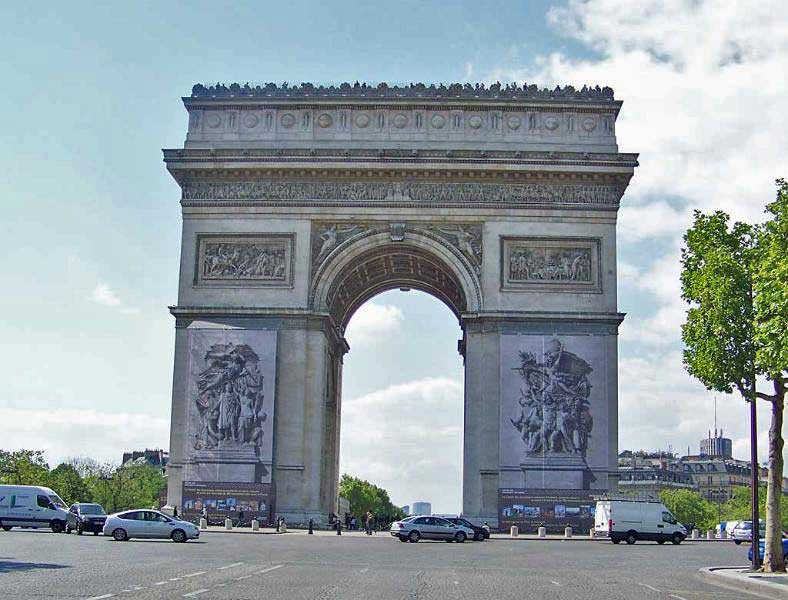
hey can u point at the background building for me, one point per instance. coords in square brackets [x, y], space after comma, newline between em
[717, 446]
[155, 458]
[406, 509]
[422, 508]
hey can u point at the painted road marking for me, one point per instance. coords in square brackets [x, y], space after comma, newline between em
[364, 570]
[238, 564]
[675, 596]
[194, 574]
[195, 593]
[651, 587]
[102, 597]
[555, 583]
[242, 578]
[161, 582]
[269, 569]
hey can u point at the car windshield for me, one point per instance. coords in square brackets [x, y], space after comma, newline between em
[55, 499]
[92, 509]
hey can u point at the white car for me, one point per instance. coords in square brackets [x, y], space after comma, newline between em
[149, 524]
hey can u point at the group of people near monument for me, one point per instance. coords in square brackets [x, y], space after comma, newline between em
[548, 264]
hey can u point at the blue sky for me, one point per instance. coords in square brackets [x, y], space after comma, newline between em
[91, 220]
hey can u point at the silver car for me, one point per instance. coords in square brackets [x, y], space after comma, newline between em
[149, 524]
[417, 528]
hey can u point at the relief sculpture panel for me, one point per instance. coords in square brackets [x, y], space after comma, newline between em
[543, 264]
[244, 260]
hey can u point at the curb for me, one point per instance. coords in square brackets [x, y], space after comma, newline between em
[718, 576]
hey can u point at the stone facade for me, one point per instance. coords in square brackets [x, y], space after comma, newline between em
[299, 204]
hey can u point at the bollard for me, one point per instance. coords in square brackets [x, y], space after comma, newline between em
[203, 523]
[592, 533]
[541, 532]
[311, 527]
[515, 531]
[723, 534]
[568, 532]
[228, 524]
[710, 534]
[283, 526]
[255, 525]
[695, 534]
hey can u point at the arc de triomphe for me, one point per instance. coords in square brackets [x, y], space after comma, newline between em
[301, 203]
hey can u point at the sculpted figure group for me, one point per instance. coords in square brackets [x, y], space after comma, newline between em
[243, 261]
[553, 414]
[535, 264]
[230, 398]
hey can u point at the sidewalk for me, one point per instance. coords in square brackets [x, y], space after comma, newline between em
[768, 585]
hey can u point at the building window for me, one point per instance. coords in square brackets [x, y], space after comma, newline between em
[381, 120]
[305, 120]
[419, 118]
[457, 121]
[494, 119]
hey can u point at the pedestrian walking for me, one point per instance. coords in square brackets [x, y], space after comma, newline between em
[175, 512]
[205, 513]
[240, 518]
[370, 522]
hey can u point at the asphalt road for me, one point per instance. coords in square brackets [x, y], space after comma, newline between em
[240, 566]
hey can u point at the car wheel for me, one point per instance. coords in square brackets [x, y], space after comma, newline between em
[402, 539]
[460, 537]
[737, 542]
[677, 539]
[179, 535]
[660, 541]
[57, 527]
[631, 538]
[478, 537]
[615, 540]
[120, 535]
[414, 536]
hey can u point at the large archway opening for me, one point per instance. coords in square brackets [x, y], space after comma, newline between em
[402, 399]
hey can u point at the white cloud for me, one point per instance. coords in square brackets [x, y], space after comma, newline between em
[103, 294]
[650, 220]
[65, 433]
[372, 321]
[407, 438]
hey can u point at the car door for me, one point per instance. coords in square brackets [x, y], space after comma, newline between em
[22, 512]
[422, 525]
[445, 529]
[158, 525]
[43, 510]
[133, 523]
[73, 516]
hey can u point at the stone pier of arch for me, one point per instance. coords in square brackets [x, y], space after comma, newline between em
[298, 206]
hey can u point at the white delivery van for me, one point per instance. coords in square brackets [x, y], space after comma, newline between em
[31, 506]
[633, 520]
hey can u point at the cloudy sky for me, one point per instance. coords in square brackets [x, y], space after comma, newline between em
[90, 223]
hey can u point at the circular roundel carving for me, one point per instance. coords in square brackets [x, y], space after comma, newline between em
[438, 121]
[288, 120]
[589, 124]
[475, 122]
[213, 121]
[362, 120]
[400, 121]
[551, 123]
[251, 120]
[325, 120]
[514, 122]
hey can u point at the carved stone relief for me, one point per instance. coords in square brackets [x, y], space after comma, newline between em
[564, 264]
[244, 260]
[484, 193]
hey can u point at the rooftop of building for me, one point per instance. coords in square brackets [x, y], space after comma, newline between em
[465, 91]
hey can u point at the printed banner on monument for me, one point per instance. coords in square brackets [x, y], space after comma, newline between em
[231, 404]
[224, 500]
[555, 509]
[554, 412]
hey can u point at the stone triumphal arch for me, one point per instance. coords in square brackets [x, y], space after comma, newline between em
[301, 203]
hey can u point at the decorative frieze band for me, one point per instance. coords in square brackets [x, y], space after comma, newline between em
[527, 193]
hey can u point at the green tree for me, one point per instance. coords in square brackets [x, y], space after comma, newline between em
[131, 486]
[736, 283]
[68, 484]
[364, 496]
[24, 467]
[690, 508]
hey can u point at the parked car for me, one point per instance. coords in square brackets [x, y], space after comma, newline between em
[416, 528]
[633, 520]
[479, 533]
[86, 516]
[762, 546]
[31, 506]
[149, 524]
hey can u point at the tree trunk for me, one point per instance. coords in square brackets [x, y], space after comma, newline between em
[773, 559]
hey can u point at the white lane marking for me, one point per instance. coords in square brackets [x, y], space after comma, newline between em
[651, 587]
[555, 583]
[238, 564]
[175, 578]
[269, 569]
[364, 570]
[101, 597]
[675, 596]
[194, 574]
[242, 578]
[220, 585]
[161, 582]
[195, 593]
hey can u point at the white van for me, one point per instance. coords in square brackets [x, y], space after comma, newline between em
[633, 520]
[31, 506]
